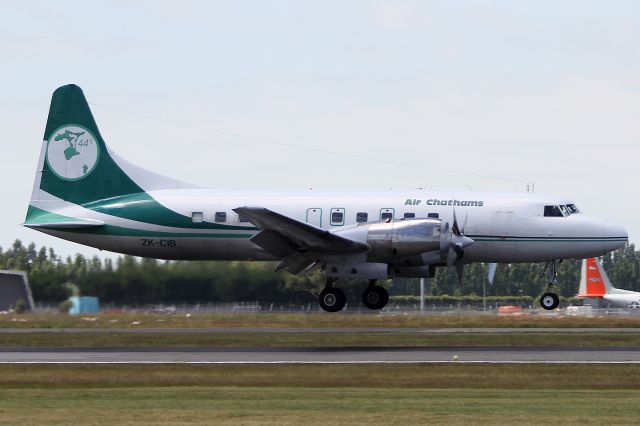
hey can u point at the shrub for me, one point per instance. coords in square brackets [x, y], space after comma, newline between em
[21, 306]
[65, 307]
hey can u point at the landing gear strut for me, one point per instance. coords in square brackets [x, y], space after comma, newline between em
[375, 297]
[332, 299]
[550, 300]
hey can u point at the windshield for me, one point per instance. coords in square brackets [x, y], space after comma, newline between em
[560, 211]
[552, 211]
[572, 209]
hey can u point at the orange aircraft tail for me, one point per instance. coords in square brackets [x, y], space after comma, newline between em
[594, 282]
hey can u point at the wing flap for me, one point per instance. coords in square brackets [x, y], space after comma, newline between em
[301, 237]
[295, 264]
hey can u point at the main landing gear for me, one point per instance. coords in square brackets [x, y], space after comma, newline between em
[375, 297]
[550, 300]
[333, 299]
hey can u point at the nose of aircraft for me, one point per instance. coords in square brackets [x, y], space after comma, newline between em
[614, 236]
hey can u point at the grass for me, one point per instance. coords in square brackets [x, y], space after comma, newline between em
[313, 406]
[427, 376]
[313, 394]
[276, 320]
[102, 339]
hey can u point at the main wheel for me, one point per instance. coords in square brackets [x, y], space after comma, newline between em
[332, 299]
[375, 297]
[549, 301]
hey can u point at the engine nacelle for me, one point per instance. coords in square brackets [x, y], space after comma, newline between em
[403, 238]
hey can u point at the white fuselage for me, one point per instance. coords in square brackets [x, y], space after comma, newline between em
[505, 227]
[623, 299]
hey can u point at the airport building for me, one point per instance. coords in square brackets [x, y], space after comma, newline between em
[14, 286]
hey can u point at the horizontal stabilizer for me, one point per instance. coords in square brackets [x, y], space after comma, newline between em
[39, 218]
[71, 224]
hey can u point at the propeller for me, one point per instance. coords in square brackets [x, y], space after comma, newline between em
[457, 243]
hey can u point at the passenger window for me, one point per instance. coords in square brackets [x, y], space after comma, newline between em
[386, 214]
[197, 217]
[409, 215]
[337, 217]
[362, 217]
[242, 218]
[552, 211]
[433, 215]
[221, 217]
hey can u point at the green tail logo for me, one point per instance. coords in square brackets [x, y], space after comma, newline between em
[78, 167]
[72, 152]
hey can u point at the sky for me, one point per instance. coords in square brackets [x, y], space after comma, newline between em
[542, 91]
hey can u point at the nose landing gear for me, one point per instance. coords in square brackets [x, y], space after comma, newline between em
[550, 300]
[375, 297]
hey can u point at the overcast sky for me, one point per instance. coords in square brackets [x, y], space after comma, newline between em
[547, 91]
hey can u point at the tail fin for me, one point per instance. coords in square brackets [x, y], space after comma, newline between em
[594, 282]
[75, 164]
[77, 168]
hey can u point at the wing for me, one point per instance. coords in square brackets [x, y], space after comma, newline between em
[301, 244]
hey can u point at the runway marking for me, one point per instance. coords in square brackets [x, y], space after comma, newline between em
[309, 362]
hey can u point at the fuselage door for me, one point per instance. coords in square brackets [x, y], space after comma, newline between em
[314, 216]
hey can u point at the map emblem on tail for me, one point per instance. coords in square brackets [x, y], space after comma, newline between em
[72, 152]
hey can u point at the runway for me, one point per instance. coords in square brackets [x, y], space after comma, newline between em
[321, 330]
[371, 355]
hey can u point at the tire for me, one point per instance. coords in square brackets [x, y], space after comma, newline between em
[549, 301]
[332, 299]
[375, 297]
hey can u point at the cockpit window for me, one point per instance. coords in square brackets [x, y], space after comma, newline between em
[564, 210]
[572, 209]
[552, 211]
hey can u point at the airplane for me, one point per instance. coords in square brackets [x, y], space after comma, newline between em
[84, 192]
[595, 284]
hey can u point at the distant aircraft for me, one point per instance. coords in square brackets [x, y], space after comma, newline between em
[595, 284]
[84, 192]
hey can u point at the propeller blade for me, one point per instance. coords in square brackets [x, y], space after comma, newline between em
[454, 228]
[452, 256]
[460, 271]
[457, 243]
[491, 273]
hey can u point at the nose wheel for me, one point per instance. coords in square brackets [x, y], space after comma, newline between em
[332, 299]
[550, 301]
[375, 297]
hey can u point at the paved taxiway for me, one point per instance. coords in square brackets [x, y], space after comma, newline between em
[323, 355]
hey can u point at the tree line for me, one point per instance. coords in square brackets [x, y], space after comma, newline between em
[127, 280]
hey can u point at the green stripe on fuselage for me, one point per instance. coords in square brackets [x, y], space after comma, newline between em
[141, 207]
[36, 215]
[121, 231]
